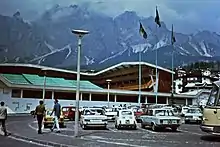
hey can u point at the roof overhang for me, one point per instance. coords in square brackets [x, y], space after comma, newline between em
[112, 68]
[95, 91]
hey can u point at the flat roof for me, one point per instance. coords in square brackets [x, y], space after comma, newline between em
[120, 66]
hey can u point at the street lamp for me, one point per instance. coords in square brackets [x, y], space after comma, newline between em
[80, 34]
[108, 81]
[44, 86]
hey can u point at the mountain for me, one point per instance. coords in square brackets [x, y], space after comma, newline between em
[49, 41]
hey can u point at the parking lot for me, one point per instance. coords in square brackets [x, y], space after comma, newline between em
[187, 135]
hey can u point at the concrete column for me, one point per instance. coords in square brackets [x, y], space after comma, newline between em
[90, 97]
[186, 101]
[115, 98]
[81, 96]
[21, 93]
[52, 95]
[145, 99]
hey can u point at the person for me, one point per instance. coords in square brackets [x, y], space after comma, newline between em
[57, 113]
[3, 117]
[40, 112]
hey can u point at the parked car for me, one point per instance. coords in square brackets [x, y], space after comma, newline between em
[69, 112]
[111, 113]
[125, 118]
[49, 120]
[160, 119]
[184, 109]
[93, 117]
[193, 115]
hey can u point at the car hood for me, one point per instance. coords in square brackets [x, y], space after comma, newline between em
[168, 117]
[193, 114]
[111, 113]
[95, 117]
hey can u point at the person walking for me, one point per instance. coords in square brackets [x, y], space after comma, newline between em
[57, 113]
[3, 117]
[40, 112]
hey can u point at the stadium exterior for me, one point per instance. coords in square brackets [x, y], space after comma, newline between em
[21, 86]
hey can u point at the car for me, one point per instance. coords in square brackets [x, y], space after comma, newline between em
[111, 113]
[193, 115]
[160, 119]
[125, 118]
[93, 117]
[49, 120]
[184, 109]
[68, 112]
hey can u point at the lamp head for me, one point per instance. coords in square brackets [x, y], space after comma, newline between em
[108, 80]
[80, 32]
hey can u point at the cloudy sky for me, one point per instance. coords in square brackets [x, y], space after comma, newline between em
[188, 16]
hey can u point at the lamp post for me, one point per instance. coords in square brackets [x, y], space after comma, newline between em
[108, 81]
[80, 34]
[44, 85]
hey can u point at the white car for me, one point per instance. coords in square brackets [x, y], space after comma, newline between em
[193, 115]
[111, 113]
[184, 110]
[93, 117]
[160, 119]
[125, 118]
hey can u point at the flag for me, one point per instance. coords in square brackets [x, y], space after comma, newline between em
[157, 18]
[173, 39]
[142, 31]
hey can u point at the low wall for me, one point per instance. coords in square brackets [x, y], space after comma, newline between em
[25, 105]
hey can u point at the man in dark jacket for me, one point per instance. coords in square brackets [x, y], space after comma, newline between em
[40, 112]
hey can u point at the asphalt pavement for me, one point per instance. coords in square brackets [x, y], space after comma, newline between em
[188, 135]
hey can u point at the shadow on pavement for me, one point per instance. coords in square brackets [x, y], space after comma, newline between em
[210, 138]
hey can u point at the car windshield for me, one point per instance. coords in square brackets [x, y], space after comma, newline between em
[94, 112]
[194, 111]
[164, 113]
[213, 96]
[126, 113]
[48, 112]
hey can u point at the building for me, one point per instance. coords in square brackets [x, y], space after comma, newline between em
[193, 80]
[21, 86]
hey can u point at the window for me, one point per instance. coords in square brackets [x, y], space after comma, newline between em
[126, 113]
[16, 93]
[213, 96]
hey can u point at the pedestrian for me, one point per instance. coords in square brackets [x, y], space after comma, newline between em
[57, 113]
[3, 117]
[40, 112]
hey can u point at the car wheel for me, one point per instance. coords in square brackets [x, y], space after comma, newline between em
[154, 127]
[174, 129]
[84, 127]
[186, 121]
[142, 126]
[135, 127]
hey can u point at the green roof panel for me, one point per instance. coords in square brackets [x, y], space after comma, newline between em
[50, 81]
[15, 78]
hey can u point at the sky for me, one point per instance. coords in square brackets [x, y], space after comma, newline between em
[187, 16]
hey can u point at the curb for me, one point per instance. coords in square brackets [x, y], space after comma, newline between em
[46, 143]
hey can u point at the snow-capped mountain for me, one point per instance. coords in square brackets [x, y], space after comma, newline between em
[49, 41]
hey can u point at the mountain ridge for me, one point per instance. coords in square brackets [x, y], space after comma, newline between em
[49, 41]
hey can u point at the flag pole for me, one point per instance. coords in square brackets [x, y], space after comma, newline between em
[172, 63]
[156, 70]
[139, 83]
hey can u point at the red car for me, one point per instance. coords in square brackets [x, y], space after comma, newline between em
[69, 112]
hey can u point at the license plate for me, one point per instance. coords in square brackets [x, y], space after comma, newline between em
[165, 122]
[95, 120]
[174, 122]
